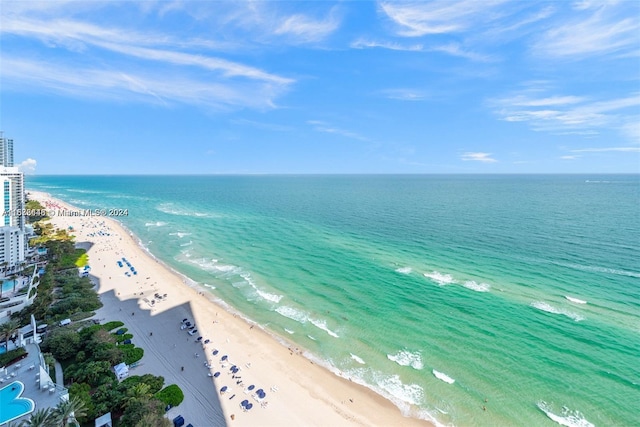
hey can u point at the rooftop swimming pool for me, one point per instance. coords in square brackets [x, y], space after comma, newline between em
[12, 406]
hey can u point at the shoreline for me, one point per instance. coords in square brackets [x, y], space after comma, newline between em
[300, 389]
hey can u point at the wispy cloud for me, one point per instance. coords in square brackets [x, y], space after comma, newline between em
[568, 157]
[306, 29]
[179, 76]
[569, 114]
[414, 19]
[596, 28]
[369, 44]
[321, 126]
[140, 86]
[478, 157]
[456, 49]
[608, 149]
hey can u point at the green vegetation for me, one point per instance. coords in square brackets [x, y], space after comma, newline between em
[88, 356]
[82, 260]
[67, 413]
[6, 358]
[171, 395]
[34, 205]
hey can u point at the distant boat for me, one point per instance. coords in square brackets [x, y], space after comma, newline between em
[575, 300]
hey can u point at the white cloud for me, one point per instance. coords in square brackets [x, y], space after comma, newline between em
[455, 49]
[416, 19]
[154, 86]
[27, 166]
[306, 29]
[597, 29]
[569, 157]
[608, 149]
[478, 157]
[569, 114]
[364, 44]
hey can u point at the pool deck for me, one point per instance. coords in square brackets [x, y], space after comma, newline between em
[43, 398]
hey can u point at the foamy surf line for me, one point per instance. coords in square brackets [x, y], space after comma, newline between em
[567, 418]
[546, 307]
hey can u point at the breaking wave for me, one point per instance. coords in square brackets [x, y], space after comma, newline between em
[442, 376]
[475, 286]
[407, 358]
[543, 306]
[439, 278]
[567, 418]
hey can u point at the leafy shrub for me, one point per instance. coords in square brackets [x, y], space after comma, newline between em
[131, 353]
[109, 326]
[171, 395]
[8, 357]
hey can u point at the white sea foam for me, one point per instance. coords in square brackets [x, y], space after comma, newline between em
[312, 338]
[439, 278]
[180, 235]
[475, 286]
[408, 393]
[292, 313]
[269, 297]
[322, 324]
[575, 300]
[289, 331]
[540, 305]
[189, 243]
[155, 224]
[407, 358]
[567, 418]
[171, 209]
[442, 376]
[206, 285]
[357, 359]
[404, 270]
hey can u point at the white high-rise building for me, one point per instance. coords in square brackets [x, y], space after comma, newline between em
[12, 221]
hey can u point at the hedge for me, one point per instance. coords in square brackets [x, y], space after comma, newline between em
[171, 395]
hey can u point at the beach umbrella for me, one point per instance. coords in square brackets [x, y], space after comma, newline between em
[251, 387]
[224, 357]
[224, 388]
[216, 375]
[249, 406]
[244, 402]
[215, 352]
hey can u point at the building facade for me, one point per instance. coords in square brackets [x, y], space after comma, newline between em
[6, 151]
[13, 243]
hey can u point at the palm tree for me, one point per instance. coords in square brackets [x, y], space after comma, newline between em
[67, 410]
[40, 418]
[7, 330]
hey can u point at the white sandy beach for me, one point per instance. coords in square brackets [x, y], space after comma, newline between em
[298, 392]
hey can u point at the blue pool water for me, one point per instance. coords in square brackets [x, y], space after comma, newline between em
[12, 406]
[7, 285]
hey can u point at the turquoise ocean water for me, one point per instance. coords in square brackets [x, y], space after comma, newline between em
[438, 292]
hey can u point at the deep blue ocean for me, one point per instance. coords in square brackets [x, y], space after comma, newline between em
[438, 292]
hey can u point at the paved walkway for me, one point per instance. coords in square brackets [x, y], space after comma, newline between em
[59, 375]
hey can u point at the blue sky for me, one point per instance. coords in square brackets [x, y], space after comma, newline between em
[321, 87]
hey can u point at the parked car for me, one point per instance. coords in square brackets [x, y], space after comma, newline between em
[193, 332]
